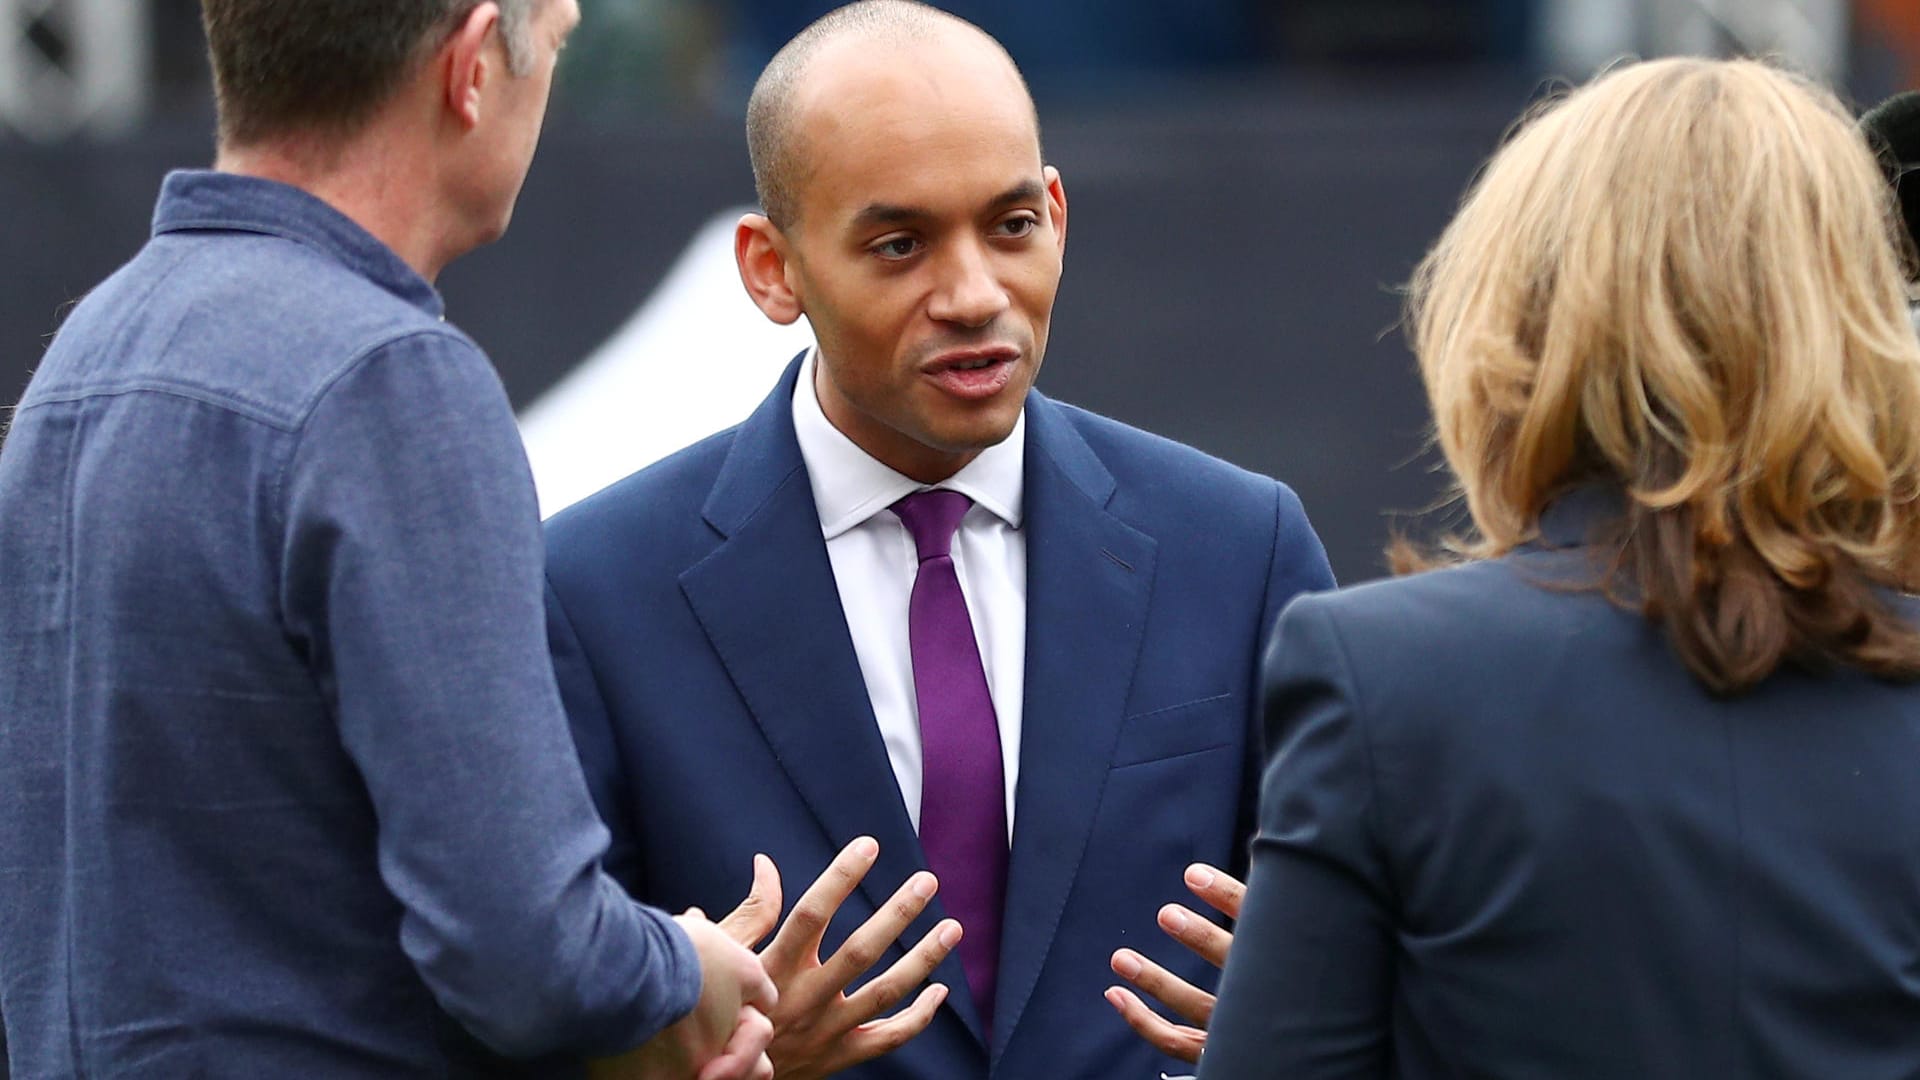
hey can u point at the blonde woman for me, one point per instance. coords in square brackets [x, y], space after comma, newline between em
[1634, 790]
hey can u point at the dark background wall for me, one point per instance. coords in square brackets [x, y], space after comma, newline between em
[1231, 271]
[1250, 181]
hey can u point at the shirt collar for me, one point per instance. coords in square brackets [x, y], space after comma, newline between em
[205, 200]
[850, 486]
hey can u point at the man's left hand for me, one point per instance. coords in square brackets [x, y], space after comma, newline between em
[1223, 893]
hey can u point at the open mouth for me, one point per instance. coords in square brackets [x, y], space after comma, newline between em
[973, 375]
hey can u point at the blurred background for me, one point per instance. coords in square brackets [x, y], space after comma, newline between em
[1250, 182]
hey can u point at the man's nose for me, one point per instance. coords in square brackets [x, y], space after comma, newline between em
[970, 292]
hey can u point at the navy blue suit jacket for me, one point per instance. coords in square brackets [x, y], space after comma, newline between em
[1506, 833]
[720, 711]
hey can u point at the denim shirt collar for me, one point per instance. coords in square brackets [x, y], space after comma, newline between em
[199, 199]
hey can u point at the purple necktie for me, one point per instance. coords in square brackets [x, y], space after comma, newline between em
[963, 810]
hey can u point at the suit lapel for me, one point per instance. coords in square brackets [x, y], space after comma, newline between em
[1089, 578]
[768, 602]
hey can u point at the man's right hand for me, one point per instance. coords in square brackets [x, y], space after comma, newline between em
[725, 1036]
[818, 1028]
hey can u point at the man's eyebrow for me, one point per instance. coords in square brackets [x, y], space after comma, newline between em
[1024, 191]
[879, 214]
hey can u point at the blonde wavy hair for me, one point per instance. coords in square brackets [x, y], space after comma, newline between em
[1683, 280]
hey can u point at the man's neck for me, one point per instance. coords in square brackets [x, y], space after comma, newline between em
[383, 185]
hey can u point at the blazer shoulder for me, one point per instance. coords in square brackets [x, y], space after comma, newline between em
[1185, 480]
[1421, 643]
[632, 513]
[1439, 604]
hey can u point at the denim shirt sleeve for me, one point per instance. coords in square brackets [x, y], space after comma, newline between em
[412, 577]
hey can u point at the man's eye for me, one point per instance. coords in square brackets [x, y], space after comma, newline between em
[1018, 226]
[899, 248]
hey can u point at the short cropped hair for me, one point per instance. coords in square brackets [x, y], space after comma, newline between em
[1681, 281]
[282, 67]
[778, 160]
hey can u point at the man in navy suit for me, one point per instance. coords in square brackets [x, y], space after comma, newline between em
[911, 600]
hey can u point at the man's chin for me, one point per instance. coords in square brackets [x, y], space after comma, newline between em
[972, 439]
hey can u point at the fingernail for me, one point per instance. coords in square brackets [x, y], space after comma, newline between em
[950, 934]
[1127, 965]
[866, 847]
[1173, 917]
[925, 885]
[1199, 876]
[1113, 996]
[940, 991]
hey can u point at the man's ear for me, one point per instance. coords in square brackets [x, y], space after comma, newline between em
[760, 250]
[468, 65]
[1057, 206]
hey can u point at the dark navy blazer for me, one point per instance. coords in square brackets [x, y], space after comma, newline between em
[1505, 833]
[720, 710]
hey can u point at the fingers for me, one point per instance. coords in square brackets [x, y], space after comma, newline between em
[758, 990]
[755, 918]
[876, 1037]
[745, 1055]
[731, 975]
[1196, 933]
[866, 945]
[893, 985]
[1178, 994]
[1174, 1040]
[798, 941]
[1222, 891]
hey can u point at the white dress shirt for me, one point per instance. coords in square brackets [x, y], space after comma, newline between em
[874, 564]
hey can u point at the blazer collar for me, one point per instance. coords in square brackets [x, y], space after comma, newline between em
[1090, 581]
[1574, 517]
[764, 457]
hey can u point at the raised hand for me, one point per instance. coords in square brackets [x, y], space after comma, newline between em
[1223, 893]
[818, 1028]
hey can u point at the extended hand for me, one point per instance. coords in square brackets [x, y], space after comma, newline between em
[1221, 892]
[819, 1029]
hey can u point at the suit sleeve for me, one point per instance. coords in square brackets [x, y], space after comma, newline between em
[1298, 564]
[597, 742]
[1307, 989]
[412, 579]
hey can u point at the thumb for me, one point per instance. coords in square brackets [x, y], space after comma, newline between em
[758, 915]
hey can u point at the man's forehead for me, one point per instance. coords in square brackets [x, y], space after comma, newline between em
[938, 125]
[887, 179]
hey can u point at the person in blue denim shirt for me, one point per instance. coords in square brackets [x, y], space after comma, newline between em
[286, 785]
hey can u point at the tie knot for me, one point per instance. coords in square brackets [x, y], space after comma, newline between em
[931, 517]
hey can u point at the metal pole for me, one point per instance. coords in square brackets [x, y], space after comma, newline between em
[116, 70]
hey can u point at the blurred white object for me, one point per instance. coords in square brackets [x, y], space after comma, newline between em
[1579, 37]
[696, 358]
[68, 66]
